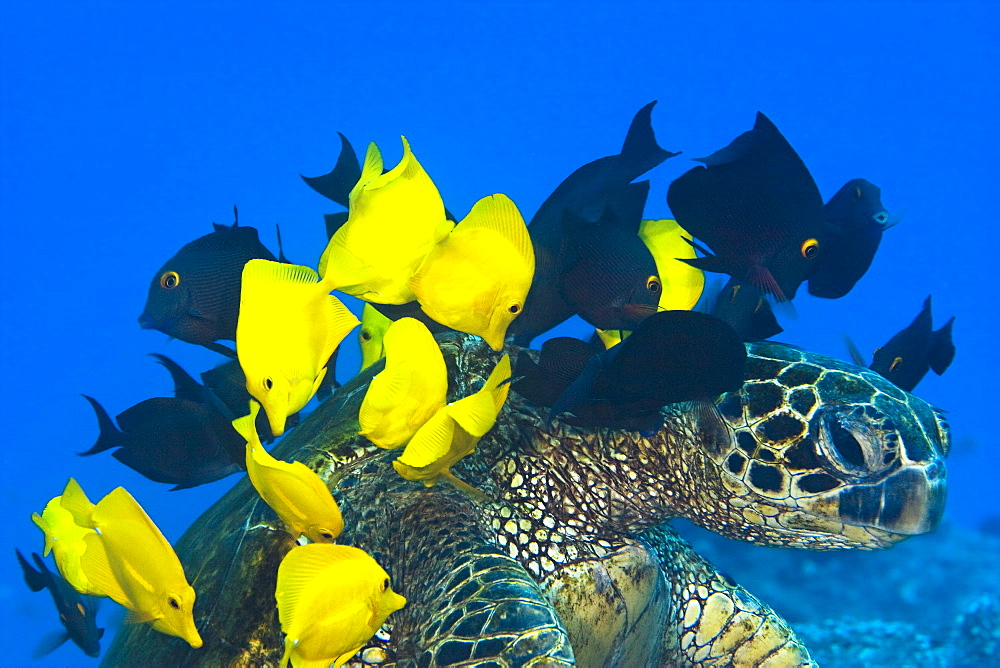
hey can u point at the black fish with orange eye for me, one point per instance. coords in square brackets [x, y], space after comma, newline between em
[195, 296]
[907, 357]
[611, 279]
[856, 220]
[672, 356]
[77, 612]
[585, 194]
[757, 208]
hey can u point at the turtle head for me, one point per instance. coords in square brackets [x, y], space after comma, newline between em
[828, 455]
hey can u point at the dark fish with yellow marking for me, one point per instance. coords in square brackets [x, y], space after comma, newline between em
[76, 612]
[857, 220]
[757, 208]
[195, 296]
[672, 356]
[585, 194]
[171, 440]
[907, 356]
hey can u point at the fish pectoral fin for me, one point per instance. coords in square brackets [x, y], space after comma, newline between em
[49, 643]
[97, 568]
[140, 617]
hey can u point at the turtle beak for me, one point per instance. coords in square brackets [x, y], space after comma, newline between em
[909, 502]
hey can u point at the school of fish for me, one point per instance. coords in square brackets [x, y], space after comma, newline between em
[750, 211]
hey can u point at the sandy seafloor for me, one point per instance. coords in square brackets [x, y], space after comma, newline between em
[125, 131]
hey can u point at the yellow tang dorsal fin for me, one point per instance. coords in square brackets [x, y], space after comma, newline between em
[431, 442]
[261, 274]
[95, 565]
[76, 502]
[371, 170]
[499, 214]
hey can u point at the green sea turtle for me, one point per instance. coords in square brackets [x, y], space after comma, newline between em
[566, 557]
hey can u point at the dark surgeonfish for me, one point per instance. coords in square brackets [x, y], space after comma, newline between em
[672, 356]
[907, 356]
[560, 362]
[745, 308]
[195, 296]
[757, 208]
[856, 221]
[585, 194]
[611, 278]
[78, 613]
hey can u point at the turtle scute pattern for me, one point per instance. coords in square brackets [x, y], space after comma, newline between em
[566, 559]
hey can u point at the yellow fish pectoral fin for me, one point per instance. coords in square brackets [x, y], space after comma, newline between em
[76, 502]
[97, 569]
[431, 442]
[387, 391]
[140, 617]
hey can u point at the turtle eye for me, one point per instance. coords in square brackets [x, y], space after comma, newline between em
[809, 249]
[514, 308]
[385, 584]
[653, 285]
[268, 384]
[170, 279]
[173, 603]
[882, 217]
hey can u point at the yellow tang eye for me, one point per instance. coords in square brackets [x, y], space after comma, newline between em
[385, 584]
[173, 603]
[170, 279]
[514, 308]
[366, 335]
[268, 384]
[895, 363]
[653, 284]
[809, 249]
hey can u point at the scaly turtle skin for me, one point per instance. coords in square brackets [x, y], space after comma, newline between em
[567, 558]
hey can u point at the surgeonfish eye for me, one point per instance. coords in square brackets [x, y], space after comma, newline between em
[653, 285]
[385, 584]
[170, 279]
[895, 363]
[514, 308]
[809, 249]
[366, 335]
[882, 217]
[173, 603]
[268, 384]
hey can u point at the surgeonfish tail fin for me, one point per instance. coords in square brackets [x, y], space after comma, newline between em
[35, 579]
[640, 152]
[942, 348]
[109, 436]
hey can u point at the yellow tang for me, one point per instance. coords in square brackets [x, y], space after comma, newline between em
[65, 537]
[681, 284]
[477, 279]
[394, 219]
[331, 601]
[293, 490]
[454, 431]
[129, 560]
[289, 326]
[371, 334]
[411, 388]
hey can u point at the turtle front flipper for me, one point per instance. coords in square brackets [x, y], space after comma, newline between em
[468, 602]
[712, 620]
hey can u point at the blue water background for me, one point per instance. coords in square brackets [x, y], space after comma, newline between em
[126, 132]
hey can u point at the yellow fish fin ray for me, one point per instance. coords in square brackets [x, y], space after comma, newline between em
[431, 442]
[140, 616]
[96, 567]
[267, 277]
[340, 322]
[371, 170]
[386, 391]
[499, 214]
[76, 502]
[498, 383]
[306, 567]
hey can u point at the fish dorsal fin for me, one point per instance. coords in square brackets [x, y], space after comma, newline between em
[431, 442]
[499, 214]
[371, 170]
[95, 565]
[246, 426]
[185, 387]
[259, 275]
[76, 502]
[477, 413]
